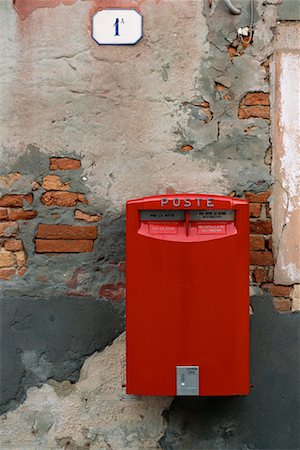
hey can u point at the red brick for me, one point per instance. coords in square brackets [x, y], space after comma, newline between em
[256, 98]
[269, 244]
[6, 258]
[262, 112]
[54, 183]
[22, 214]
[257, 242]
[260, 275]
[4, 214]
[277, 290]
[232, 51]
[64, 164]
[220, 87]
[260, 197]
[186, 148]
[62, 198]
[113, 291]
[261, 258]
[63, 246]
[9, 229]
[261, 227]
[122, 266]
[282, 304]
[66, 232]
[255, 209]
[15, 200]
[81, 215]
[13, 245]
[268, 210]
[6, 274]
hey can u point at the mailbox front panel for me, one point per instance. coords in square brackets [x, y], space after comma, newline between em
[187, 301]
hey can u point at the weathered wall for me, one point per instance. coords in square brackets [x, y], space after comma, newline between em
[85, 127]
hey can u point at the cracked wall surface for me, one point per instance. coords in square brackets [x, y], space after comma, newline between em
[84, 128]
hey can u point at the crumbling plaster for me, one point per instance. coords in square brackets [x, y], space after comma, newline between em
[94, 413]
[129, 110]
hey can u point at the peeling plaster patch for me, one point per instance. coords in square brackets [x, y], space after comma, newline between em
[25, 7]
[94, 413]
[285, 100]
[290, 95]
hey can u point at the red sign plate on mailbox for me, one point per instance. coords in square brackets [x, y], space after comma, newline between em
[187, 276]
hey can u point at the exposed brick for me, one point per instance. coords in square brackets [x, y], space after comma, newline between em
[66, 232]
[22, 214]
[20, 259]
[269, 244]
[15, 200]
[186, 148]
[13, 245]
[262, 112]
[6, 274]
[261, 227]
[6, 259]
[35, 185]
[257, 242]
[63, 246]
[220, 87]
[232, 51]
[4, 214]
[122, 266]
[282, 304]
[268, 210]
[9, 179]
[54, 183]
[256, 98]
[61, 198]
[80, 215]
[261, 258]
[260, 275]
[21, 271]
[255, 209]
[113, 291]
[8, 229]
[277, 290]
[260, 197]
[64, 164]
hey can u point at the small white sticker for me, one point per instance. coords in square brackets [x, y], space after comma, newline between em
[117, 27]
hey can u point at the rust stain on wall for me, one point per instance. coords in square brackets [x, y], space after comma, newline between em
[25, 7]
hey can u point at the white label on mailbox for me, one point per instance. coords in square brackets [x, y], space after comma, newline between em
[217, 214]
[117, 27]
[162, 229]
[211, 228]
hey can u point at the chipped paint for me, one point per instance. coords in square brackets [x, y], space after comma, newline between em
[26, 7]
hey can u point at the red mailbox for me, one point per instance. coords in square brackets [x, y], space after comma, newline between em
[187, 271]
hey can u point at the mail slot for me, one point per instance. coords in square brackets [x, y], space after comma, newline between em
[187, 301]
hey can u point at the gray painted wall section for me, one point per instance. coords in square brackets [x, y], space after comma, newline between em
[44, 338]
[265, 420]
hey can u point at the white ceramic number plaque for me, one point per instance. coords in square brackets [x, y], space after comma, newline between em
[117, 26]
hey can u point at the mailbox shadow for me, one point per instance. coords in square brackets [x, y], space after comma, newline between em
[266, 419]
